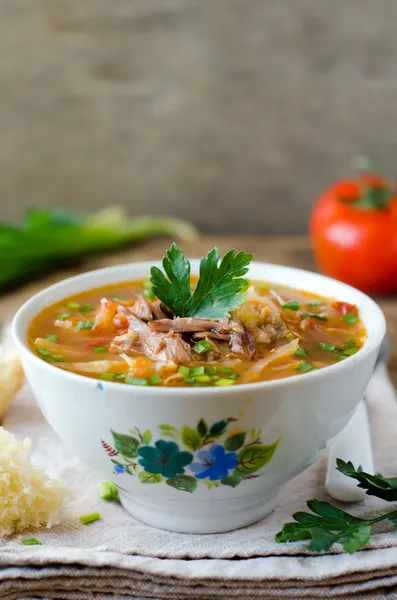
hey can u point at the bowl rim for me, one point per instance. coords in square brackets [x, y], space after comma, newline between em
[20, 339]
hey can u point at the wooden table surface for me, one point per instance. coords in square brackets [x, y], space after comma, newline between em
[292, 250]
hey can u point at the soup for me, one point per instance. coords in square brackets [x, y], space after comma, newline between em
[123, 333]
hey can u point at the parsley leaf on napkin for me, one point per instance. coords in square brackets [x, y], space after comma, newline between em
[219, 289]
[330, 524]
[376, 485]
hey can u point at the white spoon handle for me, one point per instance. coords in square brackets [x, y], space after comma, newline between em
[354, 444]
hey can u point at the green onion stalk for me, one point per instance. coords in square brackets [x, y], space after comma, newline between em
[50, 239]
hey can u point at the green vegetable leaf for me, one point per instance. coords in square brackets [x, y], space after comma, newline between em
[173, 290]
[190, 438]
[253, 458]
[327, 524]
[219, 289]
[183, 483]
[375, 485]
[358, 539]
[126, 444]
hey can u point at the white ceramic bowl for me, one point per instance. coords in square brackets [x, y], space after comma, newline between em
[223, 452]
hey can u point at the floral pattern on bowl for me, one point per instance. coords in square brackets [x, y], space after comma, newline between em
[220, 454]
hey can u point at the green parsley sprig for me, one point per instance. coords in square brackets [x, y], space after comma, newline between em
[219, 290]
[329, 524]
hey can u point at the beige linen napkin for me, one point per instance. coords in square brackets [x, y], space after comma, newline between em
[119, 557]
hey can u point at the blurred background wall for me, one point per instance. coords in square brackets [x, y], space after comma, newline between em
[231, 113]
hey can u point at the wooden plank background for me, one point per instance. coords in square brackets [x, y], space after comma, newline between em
[232, 113]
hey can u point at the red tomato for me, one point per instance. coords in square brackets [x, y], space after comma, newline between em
[353, 229]
[345, 307]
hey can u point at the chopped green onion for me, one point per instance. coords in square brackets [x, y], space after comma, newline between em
[184, 370]
[292, 305]
[90, 518]
[86, 307]
[342, 357]
[43, 352]
[108, 491]
[119, 375]
[210, 370]
[197, 371]
[224, 382]
[116, 299]
[328, 347]
[226, 370]
[203, 378]
[234, 376]
[63, 316]
[149, 294]
[350, 318]
[107, 376]
[301, 352]
[57, 358]
[350, 343]
[100, 349]
[73, 304]
[350, 351]
[304, 367]
[51, 338]
[155, 379]
[136, 380]
[31, 542]
[214, 377]
[190, 380]
[202, 347]
[84, 325]
[315, 316]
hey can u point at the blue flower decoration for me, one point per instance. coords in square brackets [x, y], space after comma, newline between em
[214, 463]
[119, 469]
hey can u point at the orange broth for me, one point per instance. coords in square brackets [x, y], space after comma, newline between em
[317, 331]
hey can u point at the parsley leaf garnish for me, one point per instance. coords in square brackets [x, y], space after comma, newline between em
[219, 289]
[376, 485]
[330, 524]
